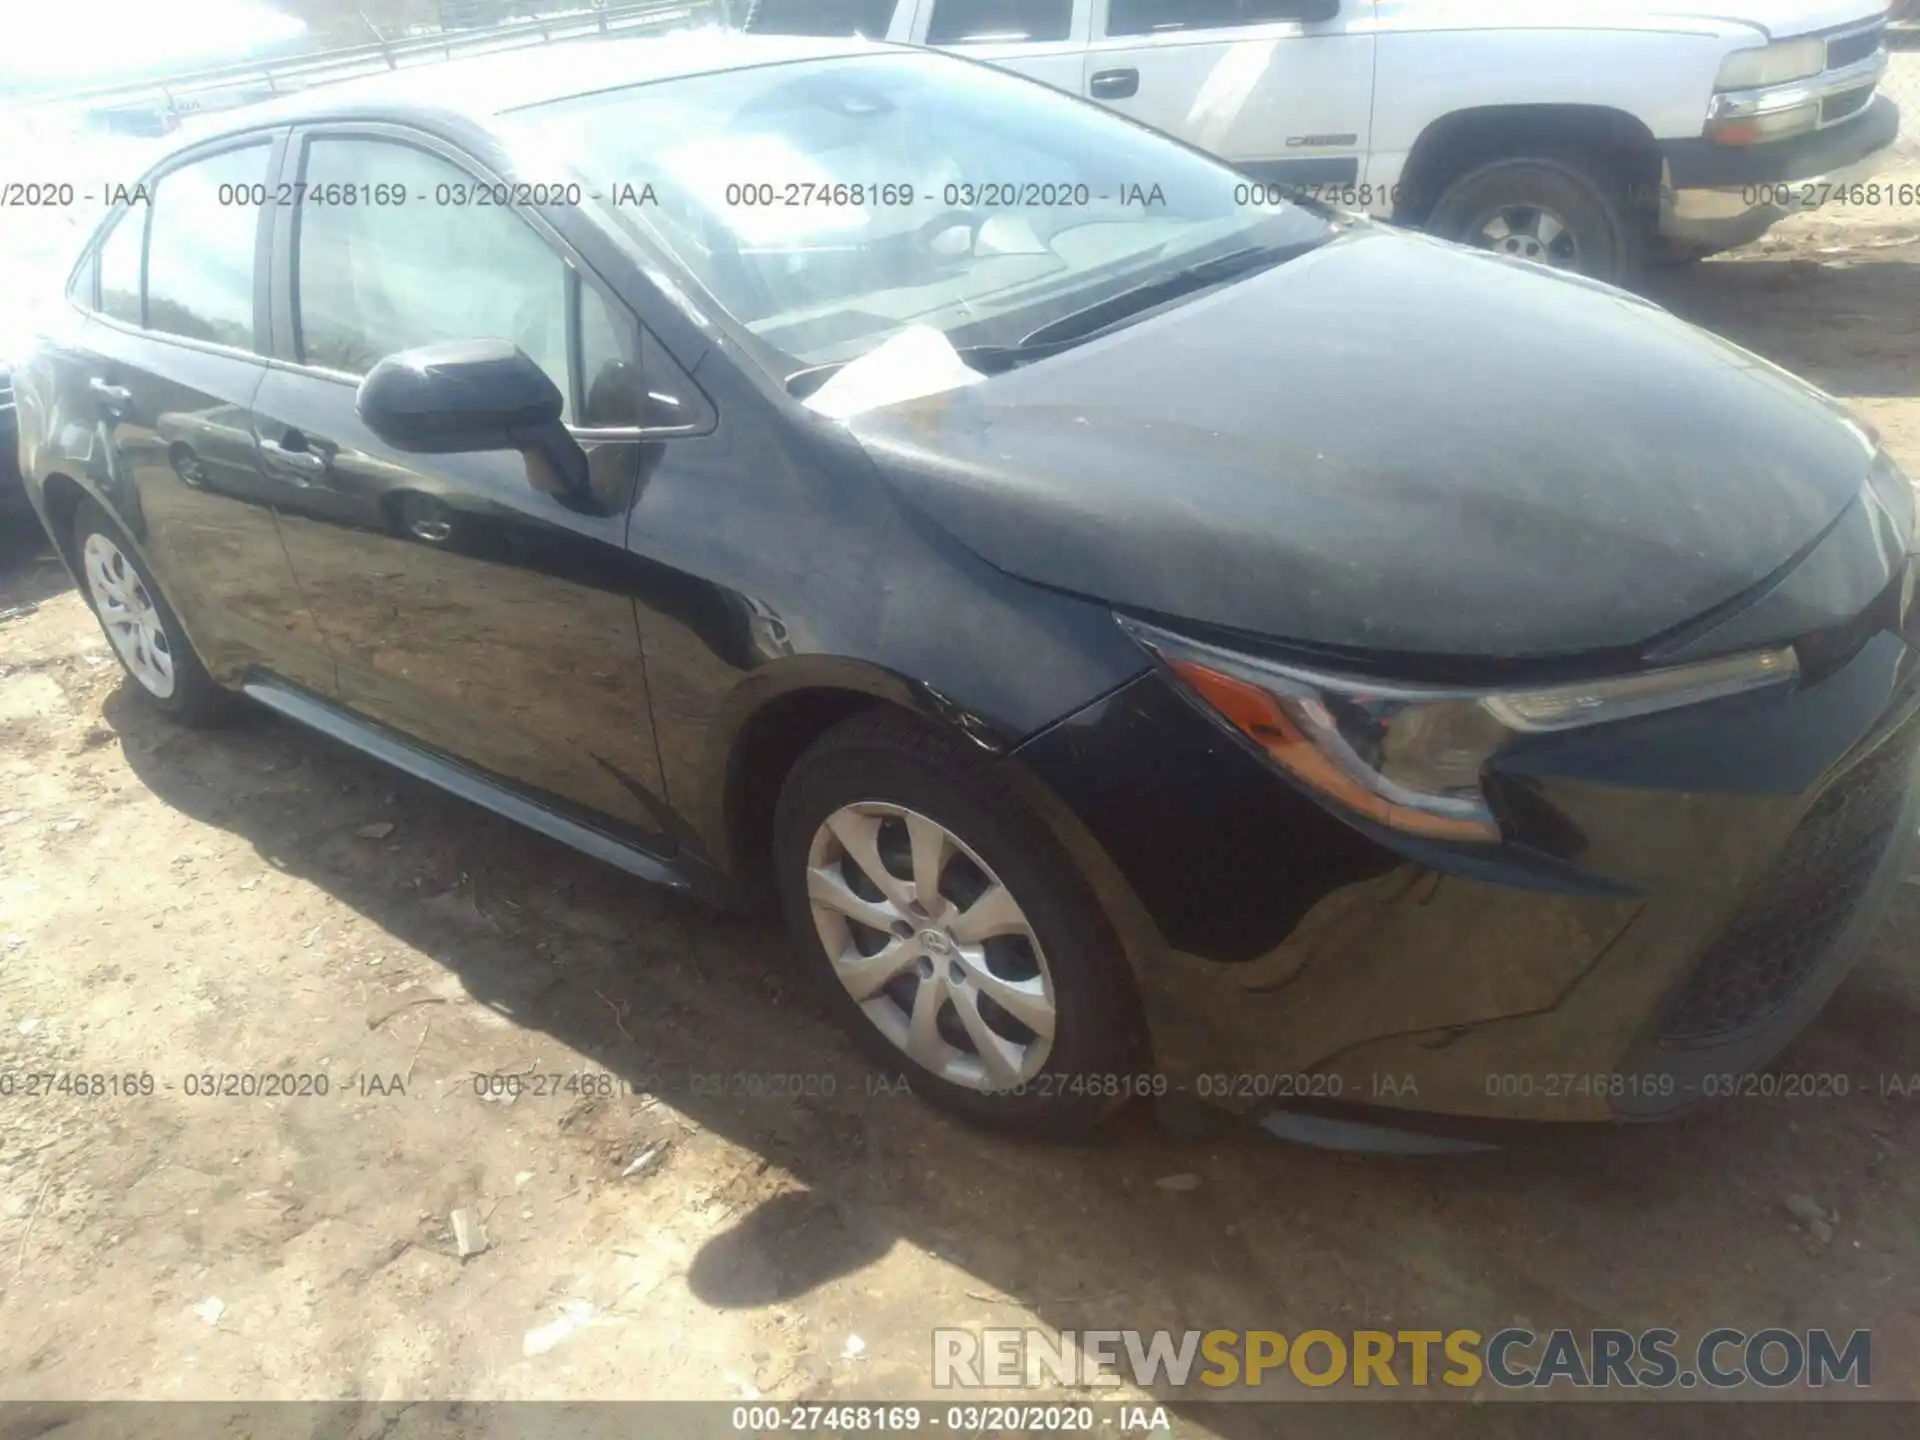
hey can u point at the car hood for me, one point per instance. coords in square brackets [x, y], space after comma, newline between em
[1780, 19]
[1777, 19]
[1393, 444]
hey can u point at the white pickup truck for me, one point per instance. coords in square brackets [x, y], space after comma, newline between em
[1592, 135]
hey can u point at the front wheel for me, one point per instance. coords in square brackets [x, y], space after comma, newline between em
[1561, 212]
[954, 938]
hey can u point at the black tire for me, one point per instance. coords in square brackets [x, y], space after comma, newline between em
[195, 699]
[1099, 1036]
[1581, 194]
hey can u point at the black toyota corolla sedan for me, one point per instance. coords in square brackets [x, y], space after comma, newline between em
[1146, 638]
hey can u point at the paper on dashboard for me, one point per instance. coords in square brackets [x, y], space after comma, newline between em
[917, 362]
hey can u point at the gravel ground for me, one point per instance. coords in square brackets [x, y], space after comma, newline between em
[257, 900]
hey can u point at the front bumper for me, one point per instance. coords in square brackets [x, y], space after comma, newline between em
[1716, 197]
[1682, 894]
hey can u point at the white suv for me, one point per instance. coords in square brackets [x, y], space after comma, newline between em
[1586, 134]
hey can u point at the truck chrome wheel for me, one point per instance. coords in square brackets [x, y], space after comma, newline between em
[1529, 232]
[1563, 212]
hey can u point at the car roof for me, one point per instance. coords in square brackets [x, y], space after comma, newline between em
[484, 86]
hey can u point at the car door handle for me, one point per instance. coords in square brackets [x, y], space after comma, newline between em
[113, 397]
[1114, 85]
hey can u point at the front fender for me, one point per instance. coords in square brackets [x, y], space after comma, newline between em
[1659, 80]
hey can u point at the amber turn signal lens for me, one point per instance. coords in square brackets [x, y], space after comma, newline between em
[1264, 719]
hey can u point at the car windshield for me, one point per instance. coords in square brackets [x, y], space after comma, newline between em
[826, 206]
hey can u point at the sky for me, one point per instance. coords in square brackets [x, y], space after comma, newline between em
[64, 43]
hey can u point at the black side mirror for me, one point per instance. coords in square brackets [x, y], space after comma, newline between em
[470, 395]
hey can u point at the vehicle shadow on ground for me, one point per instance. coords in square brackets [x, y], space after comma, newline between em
[1846, 323]
[1677, 1225]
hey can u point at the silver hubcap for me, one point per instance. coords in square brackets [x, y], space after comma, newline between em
[1528, 232]
[128, 613]
[931, 945]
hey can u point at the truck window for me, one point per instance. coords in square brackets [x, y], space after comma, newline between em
[974, 22]
[820, 17]
[1152, 17]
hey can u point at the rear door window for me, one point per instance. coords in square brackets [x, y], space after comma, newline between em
[121, 254]
[1006, 22]
[200, 251]
[1154, 17]
[870, 18]
[80, 288]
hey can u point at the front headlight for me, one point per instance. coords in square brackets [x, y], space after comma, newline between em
[1772, 65]
[1411, 757]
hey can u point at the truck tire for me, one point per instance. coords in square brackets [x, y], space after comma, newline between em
[1563, 211]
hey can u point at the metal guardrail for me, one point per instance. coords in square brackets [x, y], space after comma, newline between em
[223, 87]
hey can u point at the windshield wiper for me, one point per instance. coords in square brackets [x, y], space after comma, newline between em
[1091, 321]
[1096, 319]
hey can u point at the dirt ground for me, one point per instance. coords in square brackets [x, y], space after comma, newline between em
[174, 904]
